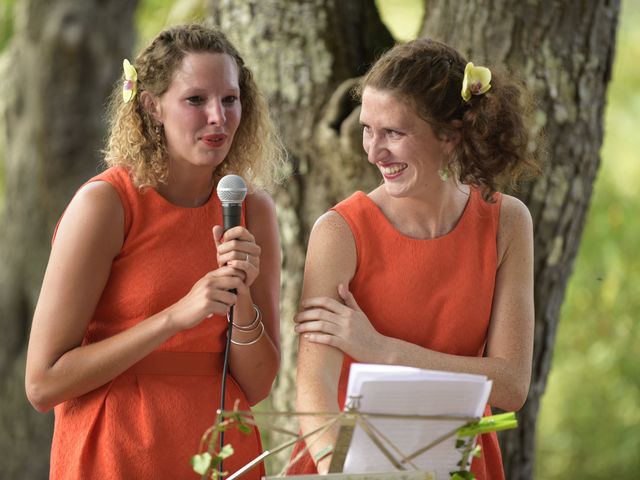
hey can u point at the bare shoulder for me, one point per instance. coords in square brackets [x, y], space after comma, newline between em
[96, 210]
[331, 256]
[260, 207]
[515, 227]
[331, 230]
[331, 223]
[99, 194]
[514, 211]
[260, 199]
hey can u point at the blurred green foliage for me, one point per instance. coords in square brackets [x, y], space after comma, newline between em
[7, 8]
[402, 17]
[153, 15]
[589, 426]
[6, 22]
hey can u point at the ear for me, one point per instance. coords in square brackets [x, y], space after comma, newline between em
[451, 138]
[151, 104]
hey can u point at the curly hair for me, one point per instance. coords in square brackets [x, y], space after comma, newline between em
[495, 135]
[137, 144]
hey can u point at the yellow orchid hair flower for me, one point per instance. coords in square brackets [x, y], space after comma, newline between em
[130, 85]
[476, 81]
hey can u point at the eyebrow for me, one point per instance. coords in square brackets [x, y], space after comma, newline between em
[197, 89]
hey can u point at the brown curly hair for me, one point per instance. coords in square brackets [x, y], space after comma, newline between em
[135, 143]
[495, 136]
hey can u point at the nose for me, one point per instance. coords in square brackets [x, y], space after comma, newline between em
[375, 149]
[215, 113]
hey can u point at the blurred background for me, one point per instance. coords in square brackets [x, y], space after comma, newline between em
[589, 425]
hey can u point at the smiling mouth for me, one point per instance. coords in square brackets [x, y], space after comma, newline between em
[390, 170]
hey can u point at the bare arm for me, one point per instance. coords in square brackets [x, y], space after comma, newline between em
[331, 260]
[89, 237]
[255, 365]
[510, 337]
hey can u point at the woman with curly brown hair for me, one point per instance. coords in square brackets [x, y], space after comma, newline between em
[433, 268]
[130, 328]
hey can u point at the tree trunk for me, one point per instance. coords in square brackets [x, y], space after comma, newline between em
[57, 73]
[566, 57]
[302, 52]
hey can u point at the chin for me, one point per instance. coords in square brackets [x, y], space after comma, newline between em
[396, 191]
[214, 160]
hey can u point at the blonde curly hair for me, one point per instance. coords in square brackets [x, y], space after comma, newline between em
[137, 144]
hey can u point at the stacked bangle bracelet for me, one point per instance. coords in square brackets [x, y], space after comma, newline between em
[255, 340]
[257, 323]
[253, 325]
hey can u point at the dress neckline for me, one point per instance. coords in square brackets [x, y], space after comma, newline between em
[168, 203]
[454, 231]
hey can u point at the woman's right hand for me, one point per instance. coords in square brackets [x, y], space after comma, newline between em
[209, 296]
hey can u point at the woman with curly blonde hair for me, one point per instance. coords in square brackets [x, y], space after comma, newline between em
[130, 328]
[137, 142]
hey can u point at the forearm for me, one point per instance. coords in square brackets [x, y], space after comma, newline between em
[315, 395]
[254, 358]
[317, 381]
[87, 367]
[510, 380]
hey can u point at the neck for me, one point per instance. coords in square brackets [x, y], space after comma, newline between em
[433, 213]
[188, 189]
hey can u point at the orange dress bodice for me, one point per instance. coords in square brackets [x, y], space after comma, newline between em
[436, 293]
[147, 422]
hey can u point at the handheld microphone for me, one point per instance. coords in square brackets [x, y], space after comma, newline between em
[231, 191]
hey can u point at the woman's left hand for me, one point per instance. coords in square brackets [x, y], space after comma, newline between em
[237, 248]
[346, 327]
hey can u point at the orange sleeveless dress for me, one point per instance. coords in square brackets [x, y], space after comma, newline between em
[435, 293]
[147, 422]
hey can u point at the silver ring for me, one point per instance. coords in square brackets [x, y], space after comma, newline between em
[247, 259]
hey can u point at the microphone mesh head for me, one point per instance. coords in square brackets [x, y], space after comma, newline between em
[231, 189]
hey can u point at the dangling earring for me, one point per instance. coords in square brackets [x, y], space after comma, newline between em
[443, 173]
[158, 131]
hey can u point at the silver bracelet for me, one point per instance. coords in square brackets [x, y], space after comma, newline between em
[253, 325]
[255, 340]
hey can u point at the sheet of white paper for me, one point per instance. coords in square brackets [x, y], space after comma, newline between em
[361, 372]
[403, 390]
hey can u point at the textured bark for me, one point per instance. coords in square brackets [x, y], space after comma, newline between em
[302, 53]
[56, 75]
[564, 49]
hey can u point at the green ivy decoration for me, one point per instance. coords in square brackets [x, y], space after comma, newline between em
[207, 462]
[465, 443]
